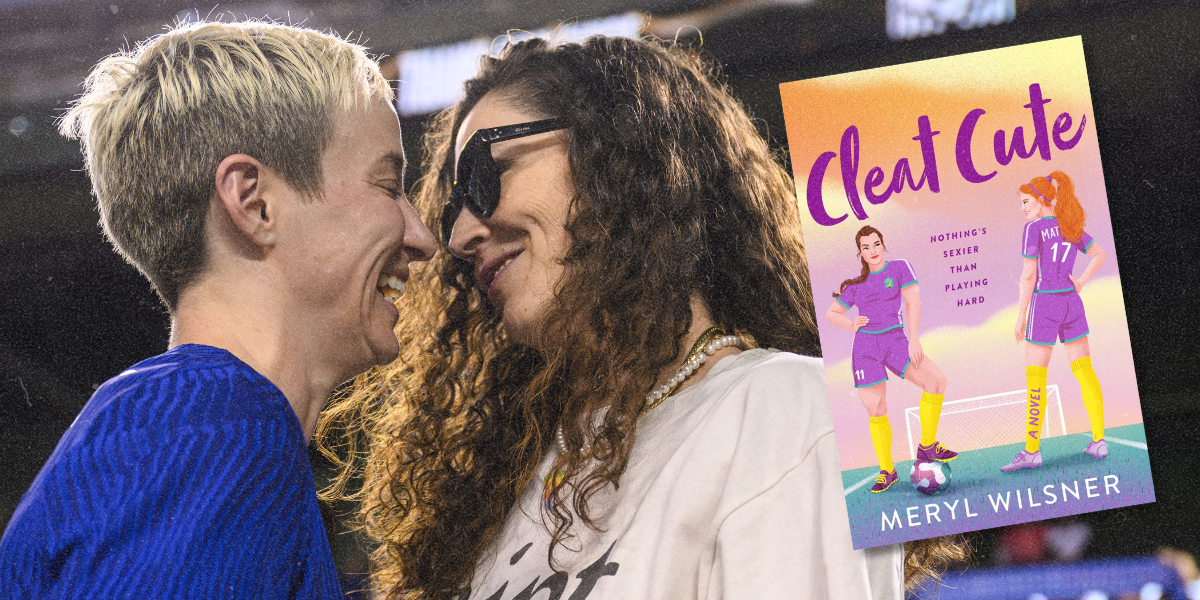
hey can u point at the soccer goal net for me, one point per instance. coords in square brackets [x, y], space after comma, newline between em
[986, 421]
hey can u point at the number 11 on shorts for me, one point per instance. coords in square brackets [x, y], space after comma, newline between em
[859, 375]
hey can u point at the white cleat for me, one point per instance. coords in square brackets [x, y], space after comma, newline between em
[1096, 449]
[1024, 460]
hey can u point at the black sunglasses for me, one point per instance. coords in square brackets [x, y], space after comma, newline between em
[476, 179]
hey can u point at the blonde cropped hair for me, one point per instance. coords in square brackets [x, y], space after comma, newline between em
[156, 121]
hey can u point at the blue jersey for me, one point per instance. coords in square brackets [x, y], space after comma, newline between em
[186, 476]
[1055, 256]
[878, 297]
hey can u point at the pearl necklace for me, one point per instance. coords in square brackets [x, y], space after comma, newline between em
[710, 343]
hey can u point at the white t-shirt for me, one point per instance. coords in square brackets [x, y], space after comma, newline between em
[733, 491]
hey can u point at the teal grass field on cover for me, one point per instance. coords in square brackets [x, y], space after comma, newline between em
[980, 496]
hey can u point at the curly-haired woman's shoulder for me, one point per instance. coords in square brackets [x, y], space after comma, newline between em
[777, 397]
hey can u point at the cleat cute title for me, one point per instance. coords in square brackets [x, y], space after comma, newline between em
[876, 187]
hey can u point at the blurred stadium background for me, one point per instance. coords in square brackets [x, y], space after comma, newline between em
[72, 314]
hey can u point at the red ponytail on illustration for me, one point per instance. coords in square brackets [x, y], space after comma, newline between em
[1069, 211]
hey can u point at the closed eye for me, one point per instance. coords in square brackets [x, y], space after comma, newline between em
[392, 190]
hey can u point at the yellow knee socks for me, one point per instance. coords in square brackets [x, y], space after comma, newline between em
[1035, 406]
[881, 438]
[1093, 399]
[931, 410]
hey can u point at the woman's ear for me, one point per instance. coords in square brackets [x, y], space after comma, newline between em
[240, 189]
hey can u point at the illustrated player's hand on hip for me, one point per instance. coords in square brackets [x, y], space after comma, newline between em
[860, 322]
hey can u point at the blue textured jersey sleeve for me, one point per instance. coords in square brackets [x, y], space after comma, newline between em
[209, 513]
[184, 484]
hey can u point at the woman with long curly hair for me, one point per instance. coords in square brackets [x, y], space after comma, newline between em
[603, 390]
[881, 346]
[1049, 308]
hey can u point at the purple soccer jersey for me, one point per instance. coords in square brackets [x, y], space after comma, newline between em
[1056, 256]
[878, 298]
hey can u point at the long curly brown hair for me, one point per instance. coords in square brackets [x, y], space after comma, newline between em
[676, 195]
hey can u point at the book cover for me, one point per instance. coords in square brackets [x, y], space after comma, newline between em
[967, 292]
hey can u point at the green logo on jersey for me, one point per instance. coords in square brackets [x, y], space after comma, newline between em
[889, 282]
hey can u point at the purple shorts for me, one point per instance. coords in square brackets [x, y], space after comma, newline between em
[1057, 316]
[874, 351]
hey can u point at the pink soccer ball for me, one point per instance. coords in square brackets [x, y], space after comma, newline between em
[929, 476]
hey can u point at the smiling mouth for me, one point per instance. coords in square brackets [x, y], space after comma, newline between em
[487, 276]
[390, 286]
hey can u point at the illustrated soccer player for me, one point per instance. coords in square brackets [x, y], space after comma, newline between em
[1050, 308]
[253, 173]
[880, 345]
